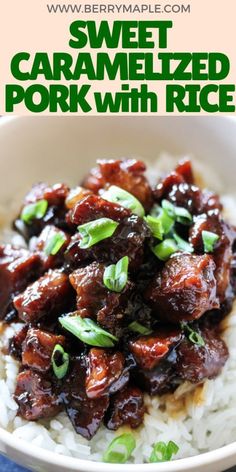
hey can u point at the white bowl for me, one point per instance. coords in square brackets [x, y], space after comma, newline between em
[58, 148]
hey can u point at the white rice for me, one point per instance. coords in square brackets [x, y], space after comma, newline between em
[198, 420]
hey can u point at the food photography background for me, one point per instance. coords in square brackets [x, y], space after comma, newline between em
[205, 138]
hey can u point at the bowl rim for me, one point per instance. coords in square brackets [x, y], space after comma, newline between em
[61, 460]
[86, 465]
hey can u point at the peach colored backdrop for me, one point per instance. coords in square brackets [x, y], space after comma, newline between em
[26, 25]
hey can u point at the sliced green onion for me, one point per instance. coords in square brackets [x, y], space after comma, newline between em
[209, 240]
[183, 216]
[60, 370]
[179, 214]
[117, 195]
[155, 210]
[87, 331]
[196, 338]
[161, 215]
[166, 221]
[169, 208]
[120, 449]
[163, 452]
[182, 244]
[116, 275]
[96, 231]
[139, 328]
[192, 335]
[155, 225]
[54, 244]
[34, 210]
[165, 249]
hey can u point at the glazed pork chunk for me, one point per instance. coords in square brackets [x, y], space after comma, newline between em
[95, 301]
[129, 238]
[185, 288]
[47, 296]
[18, 267]
[127, 174]
[35, 397]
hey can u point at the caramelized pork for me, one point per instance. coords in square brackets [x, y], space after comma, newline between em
[55, 196]
[18, 267]
[46, 247]
[93, 207]
[47, 296]
[185, 288]
[197, 363]
[151, 349]
[127, 174]
[178, 187]
[95, 301]
[86, 414]
[126, 408]
[222, 253]
[103, 371]
[129, 239]
[16, 342]
[158, 323]
[35, 397]
[38, 347]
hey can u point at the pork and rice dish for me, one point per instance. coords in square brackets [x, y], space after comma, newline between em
[114, 303]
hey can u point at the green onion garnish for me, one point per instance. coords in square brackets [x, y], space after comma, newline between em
[183, 216]
[196, 338]
[166, 221]
[87, 331]
[117, 195]
[120, 449]
[54, 244]
[96, 231]
[182, 244]
[209, 240]
[155, 225]
[116, 275]
[139, 328]
[180, 214]
[163, 452]
[169, 208]
[60, 370]
[192, 335]
[34, 210]
[165, 249]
